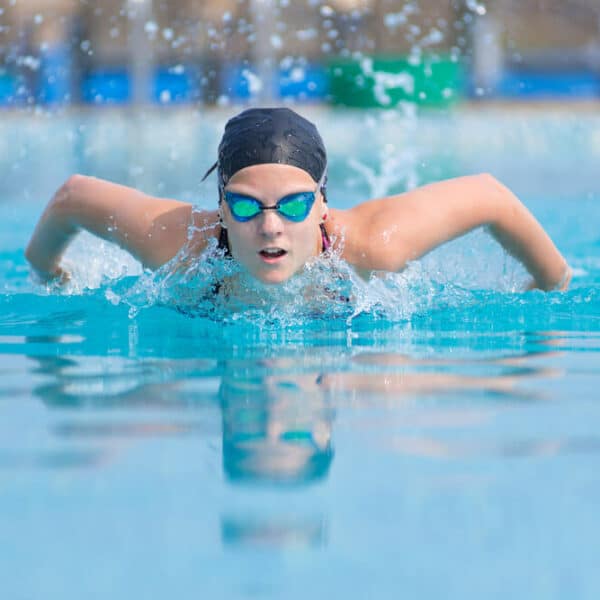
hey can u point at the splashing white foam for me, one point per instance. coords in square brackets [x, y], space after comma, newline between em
[327, 290]
[92, 262]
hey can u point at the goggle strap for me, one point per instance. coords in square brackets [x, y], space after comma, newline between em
[210, 170]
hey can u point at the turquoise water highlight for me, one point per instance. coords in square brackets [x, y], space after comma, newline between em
[437, 438]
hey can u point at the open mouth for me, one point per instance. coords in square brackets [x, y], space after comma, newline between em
[272, 253]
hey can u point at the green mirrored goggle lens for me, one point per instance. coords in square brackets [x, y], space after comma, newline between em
[294, 207]
[245, 208]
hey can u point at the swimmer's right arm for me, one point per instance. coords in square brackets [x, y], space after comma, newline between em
[151, 229]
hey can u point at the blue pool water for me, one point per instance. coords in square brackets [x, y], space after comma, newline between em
[437, 437]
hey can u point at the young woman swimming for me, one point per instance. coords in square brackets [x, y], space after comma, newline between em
[273, 215]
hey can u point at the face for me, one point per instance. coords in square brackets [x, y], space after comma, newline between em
[271, 247]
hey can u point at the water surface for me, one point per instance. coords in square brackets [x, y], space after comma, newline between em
[437, 436]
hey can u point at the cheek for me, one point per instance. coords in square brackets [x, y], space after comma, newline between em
[239, 241]
[307, 239]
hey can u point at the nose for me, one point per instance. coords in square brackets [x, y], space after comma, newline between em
[270, 224]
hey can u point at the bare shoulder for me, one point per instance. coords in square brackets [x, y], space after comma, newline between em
[205, 226]
[386, 233]
[360, 232]
[178, 228]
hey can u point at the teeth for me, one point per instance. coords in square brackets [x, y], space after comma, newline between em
[273, 251]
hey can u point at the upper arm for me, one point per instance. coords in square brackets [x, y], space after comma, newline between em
[151, 229]
[387, 233]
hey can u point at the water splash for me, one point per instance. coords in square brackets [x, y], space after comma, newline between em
[214, 286]
[92, 263]
[386, 81]
[328, 290]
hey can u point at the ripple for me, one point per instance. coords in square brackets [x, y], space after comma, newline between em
[525, 448]
[58, 459]
[41, 339]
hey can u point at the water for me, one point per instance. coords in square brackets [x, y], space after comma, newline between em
[436, 436]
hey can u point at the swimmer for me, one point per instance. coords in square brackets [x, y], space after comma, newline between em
[273, 216]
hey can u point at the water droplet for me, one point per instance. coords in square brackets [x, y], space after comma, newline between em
[297, 74]
[392, 20]
[476, 7]
[254, 83]
[306, 34]
[151, 28]
[435, 36]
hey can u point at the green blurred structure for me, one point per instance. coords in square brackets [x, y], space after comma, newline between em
[384, 81]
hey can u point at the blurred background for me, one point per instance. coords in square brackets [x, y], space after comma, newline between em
[360, 53]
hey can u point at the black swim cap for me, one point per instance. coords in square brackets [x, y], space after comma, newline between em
[270, 135]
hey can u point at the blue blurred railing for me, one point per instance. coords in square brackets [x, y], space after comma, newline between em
[56, 82]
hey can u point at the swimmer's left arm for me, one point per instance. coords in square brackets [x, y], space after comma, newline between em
[402, 228]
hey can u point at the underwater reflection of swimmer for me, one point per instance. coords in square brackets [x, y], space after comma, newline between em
[277, 435]
[399, 375]
[117, 382]
[276, 428]
[274, 530]
[109, 389]
[270, 432]
[274, 432]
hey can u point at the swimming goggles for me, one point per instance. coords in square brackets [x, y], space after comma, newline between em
[294, 207]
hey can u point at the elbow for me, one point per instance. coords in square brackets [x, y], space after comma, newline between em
[74, 180]
[501, 202]
[69, 190]
[62, 198]
[62, 210]
[67, 204]
[55, 227]
[487, 179]
[492, 187]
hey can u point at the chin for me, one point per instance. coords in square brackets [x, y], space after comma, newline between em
[272, 277]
